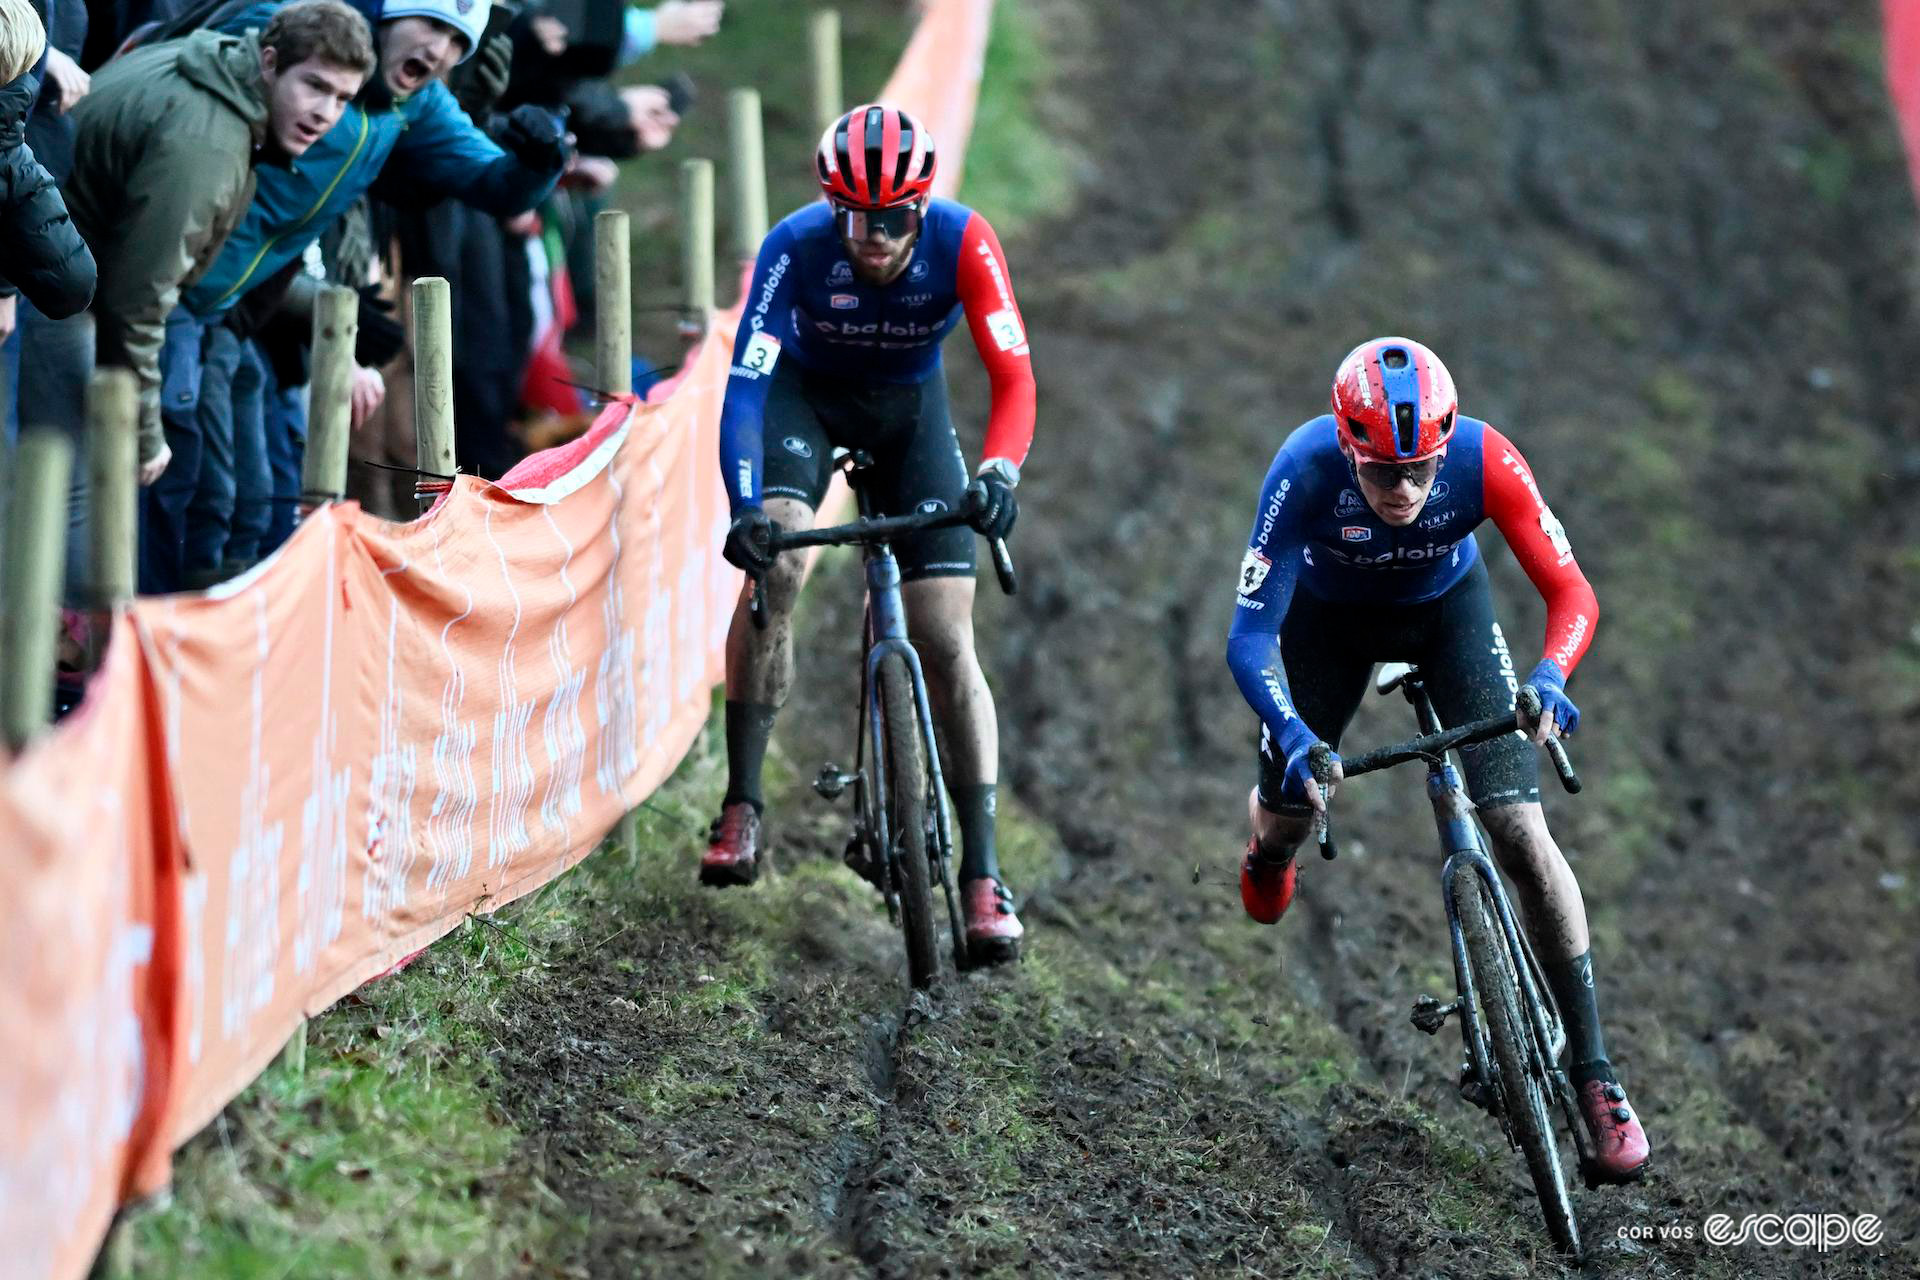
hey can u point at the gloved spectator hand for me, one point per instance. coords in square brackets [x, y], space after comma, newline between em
[989, 505]
[484, 78]
[381, 336]
[687, 21]
[1558, 715]
[1300, 786]
[749, 541]
[537, 138]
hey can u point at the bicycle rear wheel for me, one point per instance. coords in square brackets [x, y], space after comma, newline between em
[907, 796]
[1522, 1076]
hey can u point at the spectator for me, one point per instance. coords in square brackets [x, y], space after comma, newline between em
[404, 115]
[182, 127]
[41, 255]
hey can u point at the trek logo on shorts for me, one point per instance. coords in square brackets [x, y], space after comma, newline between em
[798, 447]
[931, 507]
[1356, 533]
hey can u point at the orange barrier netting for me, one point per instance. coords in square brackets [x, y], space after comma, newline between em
[276, 790]
[1900, 30]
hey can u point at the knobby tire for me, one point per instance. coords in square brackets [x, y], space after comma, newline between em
[1525, 1095]
[907, 792]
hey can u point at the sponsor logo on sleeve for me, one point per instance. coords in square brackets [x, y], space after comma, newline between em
[1271, 514]
[1564, 654]
[1254, 568]
[775, 274]
[1355, 533]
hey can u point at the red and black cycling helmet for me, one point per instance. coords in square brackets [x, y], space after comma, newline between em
[1394, 401]
[875, 157]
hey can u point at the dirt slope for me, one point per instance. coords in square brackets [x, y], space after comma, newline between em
[1667, 248]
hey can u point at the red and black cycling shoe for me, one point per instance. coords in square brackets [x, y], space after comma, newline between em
[733, 847]
[1620, 1144]
[1266, 886]
[993, 930]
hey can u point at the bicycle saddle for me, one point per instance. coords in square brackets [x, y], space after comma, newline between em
[1392, 675]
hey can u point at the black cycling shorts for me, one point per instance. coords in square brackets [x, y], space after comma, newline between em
[1329, 650]
[905, 426]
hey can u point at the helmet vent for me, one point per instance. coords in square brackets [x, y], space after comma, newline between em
[903, 158]
[1394, 358]
[1407, 425]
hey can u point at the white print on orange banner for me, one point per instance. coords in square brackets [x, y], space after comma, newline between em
[798, 447]
[1556, 534]
[1006, 329]
[1254, 568]
[843, 301]
[1355, 533]
[762, 350]
[842, 273]
[1348, 504]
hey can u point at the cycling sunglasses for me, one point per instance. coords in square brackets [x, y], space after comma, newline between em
[893, 224]
[1388, 475]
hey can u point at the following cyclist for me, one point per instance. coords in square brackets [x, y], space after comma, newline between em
[1363, 551]
[839, 345]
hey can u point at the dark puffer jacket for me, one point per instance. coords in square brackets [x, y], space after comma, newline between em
[41, 254]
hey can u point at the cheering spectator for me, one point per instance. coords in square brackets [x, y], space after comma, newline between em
[169, 141]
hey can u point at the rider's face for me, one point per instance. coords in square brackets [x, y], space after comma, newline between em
[1400, 503]
[877, 255]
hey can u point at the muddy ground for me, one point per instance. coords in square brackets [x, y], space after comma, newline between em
[1668, 249]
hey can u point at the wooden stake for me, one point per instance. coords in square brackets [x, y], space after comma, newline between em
[113, 461]
[336, 325]
[613, 293]
[749, 174]
[828, 102]
[293, 1056]
[36, 559]
[432, 382]
[696, 190]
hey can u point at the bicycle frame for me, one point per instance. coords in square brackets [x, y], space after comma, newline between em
[1466, 847]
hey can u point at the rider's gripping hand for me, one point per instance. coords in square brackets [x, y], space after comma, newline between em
[989, 504]
[749, 541]
[1558, 715]
[1300, 786]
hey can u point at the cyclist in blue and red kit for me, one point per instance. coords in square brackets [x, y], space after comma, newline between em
[839, 345]
[1363, 551]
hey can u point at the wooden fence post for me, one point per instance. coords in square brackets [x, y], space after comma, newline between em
[432, 384]
[696, 190]
[36, 559]
[825, 41]
[613, 295]
[323, 469]
[749, 174]
[113, 462]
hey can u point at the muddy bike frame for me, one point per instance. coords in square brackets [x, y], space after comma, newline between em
[886, 635]
[1466, 848]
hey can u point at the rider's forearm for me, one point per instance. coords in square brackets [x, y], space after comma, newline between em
[1254, 658]
[742, 451]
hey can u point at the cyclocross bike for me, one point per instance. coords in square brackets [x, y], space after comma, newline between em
[902, 841]
[1509, 1024]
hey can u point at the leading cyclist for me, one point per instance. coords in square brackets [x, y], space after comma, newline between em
[840, 345]
[1363, 551]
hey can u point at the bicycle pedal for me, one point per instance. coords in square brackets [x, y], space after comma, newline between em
[830, 783]
[1429, 1015]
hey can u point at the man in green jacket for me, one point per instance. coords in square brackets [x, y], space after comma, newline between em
[168, 141]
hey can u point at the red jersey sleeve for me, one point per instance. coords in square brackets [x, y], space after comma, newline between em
[1540, 544]
[986, 291]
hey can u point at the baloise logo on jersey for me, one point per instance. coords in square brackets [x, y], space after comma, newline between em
[1396, 557]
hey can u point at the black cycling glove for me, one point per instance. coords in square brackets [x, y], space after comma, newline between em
[749, 541]
[989, 506]
[479, 84]
[536, 137]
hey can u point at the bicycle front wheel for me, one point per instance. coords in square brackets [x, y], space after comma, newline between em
[1523, 1080]
[908, 793]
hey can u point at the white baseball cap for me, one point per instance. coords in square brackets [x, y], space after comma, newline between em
[468, 17]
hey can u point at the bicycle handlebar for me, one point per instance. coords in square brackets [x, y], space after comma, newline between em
[1431, 745]
[871, 529]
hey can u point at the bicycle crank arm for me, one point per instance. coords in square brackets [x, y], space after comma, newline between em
[1429, 1015]
[831, 783]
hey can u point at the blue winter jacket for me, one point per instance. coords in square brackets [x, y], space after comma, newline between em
[436, 153]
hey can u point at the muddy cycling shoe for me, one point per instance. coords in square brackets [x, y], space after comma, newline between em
[733, 847]
[1620, 1144]
[1266, 886]
[993, 931]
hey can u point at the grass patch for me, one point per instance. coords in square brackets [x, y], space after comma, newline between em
[1017, 169]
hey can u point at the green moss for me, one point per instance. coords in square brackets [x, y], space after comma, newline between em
[1017, 169]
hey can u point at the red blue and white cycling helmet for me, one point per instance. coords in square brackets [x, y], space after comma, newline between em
[1394, 401]
[875, 157]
